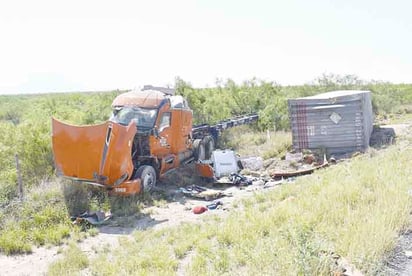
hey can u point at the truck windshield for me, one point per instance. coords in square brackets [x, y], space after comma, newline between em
[143, 117]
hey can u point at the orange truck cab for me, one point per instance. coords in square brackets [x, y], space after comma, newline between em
[148, 134]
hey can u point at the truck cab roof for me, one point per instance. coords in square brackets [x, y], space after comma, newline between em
[143, 98]
[149, 98]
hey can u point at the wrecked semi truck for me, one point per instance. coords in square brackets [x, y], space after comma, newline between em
[149, 134]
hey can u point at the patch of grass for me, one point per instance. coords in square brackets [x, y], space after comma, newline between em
[395, 118]
[14, 241]
[8, 190]
[251, 143]
[74, 260]
[123, 206]
[93, 232]
[40, 220]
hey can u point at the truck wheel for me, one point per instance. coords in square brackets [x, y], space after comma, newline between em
[147, 174]
[199, 149]
[209, 144]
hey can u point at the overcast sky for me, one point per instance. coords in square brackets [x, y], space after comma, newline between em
[50, 45]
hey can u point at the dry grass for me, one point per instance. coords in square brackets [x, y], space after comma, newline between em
[251, 143]
[73, 261]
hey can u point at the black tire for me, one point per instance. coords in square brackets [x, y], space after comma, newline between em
[147, 174]
[209, 144]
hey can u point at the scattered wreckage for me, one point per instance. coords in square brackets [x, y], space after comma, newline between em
[150, 133]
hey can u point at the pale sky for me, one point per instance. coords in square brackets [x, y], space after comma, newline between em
[51, 45]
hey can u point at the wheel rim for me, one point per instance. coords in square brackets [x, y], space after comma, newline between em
[148, 181]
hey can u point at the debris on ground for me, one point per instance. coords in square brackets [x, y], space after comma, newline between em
[240, 180]
[235, 179]
[297, 164]
[309, 158]
[214, 205]
[259, 182]
[279, 175]
[252, 163]
[199, 210]
[271, 184]
[92, 218]
[294, 157]
[201, 192]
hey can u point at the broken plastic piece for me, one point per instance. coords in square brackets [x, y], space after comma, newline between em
[214, 205]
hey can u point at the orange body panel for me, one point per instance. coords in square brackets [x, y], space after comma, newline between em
[181, 129]
[173, 140]
[98, 153]
[205, 170]
[130, 187]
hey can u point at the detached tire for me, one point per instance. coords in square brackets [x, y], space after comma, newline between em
[147, 174]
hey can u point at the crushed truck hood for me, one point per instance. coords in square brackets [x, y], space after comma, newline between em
[98, 153]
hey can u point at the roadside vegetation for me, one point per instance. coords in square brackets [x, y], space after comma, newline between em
[41, 218]
[247, 141]
[354, 210]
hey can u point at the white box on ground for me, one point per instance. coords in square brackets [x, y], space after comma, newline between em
[224, 162]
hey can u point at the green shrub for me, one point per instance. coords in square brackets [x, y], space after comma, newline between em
[13, 240]
[41, 219]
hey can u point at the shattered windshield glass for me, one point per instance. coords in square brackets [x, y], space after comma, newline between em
[142, 116]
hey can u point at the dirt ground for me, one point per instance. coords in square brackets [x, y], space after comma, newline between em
[400, 263]
[177, 208]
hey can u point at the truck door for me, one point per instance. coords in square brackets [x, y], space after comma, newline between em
[164, 140]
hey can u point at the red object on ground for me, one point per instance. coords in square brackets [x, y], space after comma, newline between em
[199, 209]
